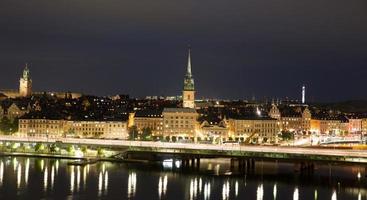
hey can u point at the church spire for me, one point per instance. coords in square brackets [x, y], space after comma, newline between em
[26, 74]
[189, 80]
[188, 73]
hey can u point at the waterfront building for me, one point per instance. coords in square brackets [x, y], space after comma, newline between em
[296, 119]
[148, 119]
[214, 131]
[354, 124]
[188, 95]
[364, 125]
[180, 122]
[41, 128]
[97, 129]
[54, 128]
[326, 125]
[262, 128]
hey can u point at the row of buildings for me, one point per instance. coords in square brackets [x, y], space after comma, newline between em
[88, 117]
[65, 128]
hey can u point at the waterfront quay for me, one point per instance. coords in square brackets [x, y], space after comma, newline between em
[192, 152]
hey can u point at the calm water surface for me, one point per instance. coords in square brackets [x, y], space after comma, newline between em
[35, 178]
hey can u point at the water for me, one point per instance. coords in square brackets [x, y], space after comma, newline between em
[36, 178]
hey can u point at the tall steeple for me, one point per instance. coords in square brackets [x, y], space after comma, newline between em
[188, 95]
[189, 80]
[26, 74]
[25, 83]
[188, 73]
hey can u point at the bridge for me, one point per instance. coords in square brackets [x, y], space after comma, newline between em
[187, 151]
[342, 140]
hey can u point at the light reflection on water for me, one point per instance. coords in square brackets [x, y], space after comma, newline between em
[131, 185]
[296, 194]
[45, 179]
[19, 175]
[260, 192]
[162, 186]
[72, 177]
[1, 172]
[26, 171]
[104, 180]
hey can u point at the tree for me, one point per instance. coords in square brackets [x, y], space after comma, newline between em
[70, 149]
[7, 127]
[39, 147]
[287, 135]
[147, 134]
[84, 149]
[100, 152]
[133, 133]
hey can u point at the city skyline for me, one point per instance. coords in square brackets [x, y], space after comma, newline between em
[25, 88]
[239, 50]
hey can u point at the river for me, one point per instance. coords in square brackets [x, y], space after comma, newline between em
[45, 178]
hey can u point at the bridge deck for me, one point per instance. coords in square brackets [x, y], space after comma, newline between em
[210, 150]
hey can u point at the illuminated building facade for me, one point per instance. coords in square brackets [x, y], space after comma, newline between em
[41, 128]
[151, 119]
[82, 129]
[265, 129]
[180, 122]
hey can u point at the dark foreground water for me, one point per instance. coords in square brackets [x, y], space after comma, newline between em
[35, 178]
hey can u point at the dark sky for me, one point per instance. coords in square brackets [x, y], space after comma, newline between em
[240, 48]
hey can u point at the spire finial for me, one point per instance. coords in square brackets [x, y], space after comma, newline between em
[189, 61]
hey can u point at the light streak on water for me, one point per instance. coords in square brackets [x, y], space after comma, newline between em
[162, 186]
[131, 186]
[106, 181]
[100, 183]
[207, 191]
[45, 179]
[260, 192]
[52, 176]
[296, 194]
[72, 179]
[19, 175]
[225, 191]
[236, 188]
[275, 190]
[333, 196]
[1, 173]
[77, 178]
[26, 171]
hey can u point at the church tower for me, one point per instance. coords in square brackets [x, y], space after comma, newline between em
[25, 83]
[188, 95]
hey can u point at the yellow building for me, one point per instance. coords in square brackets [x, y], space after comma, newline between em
[296, 119]
[364, 125]
[63, 128]
[262, 128]
[97, 129]
[327, 125]
[180, 122]
[210, 131]
[41, 128]
[148, 119]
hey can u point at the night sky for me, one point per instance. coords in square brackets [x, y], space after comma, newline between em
[240, 48]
